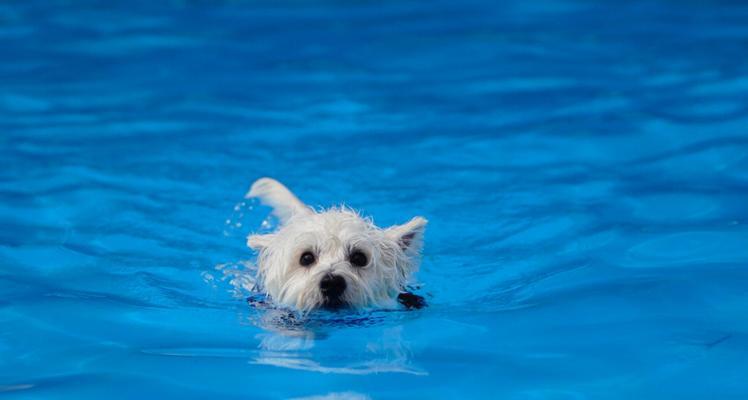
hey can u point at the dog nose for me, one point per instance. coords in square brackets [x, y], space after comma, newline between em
[332, 286]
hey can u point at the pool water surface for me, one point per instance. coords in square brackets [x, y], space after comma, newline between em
[583, 166]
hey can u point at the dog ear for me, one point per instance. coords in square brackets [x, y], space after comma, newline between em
[259, 242]
[272, 193]
[409, 235]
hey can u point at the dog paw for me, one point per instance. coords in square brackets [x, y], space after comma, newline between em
[411, 301]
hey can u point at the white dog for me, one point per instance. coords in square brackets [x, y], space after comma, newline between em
[334, 257]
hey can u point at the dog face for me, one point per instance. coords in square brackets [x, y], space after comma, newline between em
[331, 258]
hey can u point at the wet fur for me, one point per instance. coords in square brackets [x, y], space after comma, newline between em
[393, 253]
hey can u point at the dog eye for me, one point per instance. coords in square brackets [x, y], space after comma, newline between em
[358, 258]
[307, 259]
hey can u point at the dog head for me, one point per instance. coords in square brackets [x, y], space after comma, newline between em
[331, 258]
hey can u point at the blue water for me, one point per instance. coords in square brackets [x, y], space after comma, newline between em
[583, 165]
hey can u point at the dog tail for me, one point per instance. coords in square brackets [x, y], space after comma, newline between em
[273, 194]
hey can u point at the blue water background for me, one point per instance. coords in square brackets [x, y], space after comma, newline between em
[583, 165]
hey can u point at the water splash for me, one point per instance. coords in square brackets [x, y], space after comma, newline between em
[236, 220]
[240, 275]
[249, 216]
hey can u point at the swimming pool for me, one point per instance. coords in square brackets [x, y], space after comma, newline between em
[584, 167]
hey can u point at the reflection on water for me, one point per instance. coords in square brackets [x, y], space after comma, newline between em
[336, 396]
[293, 346]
